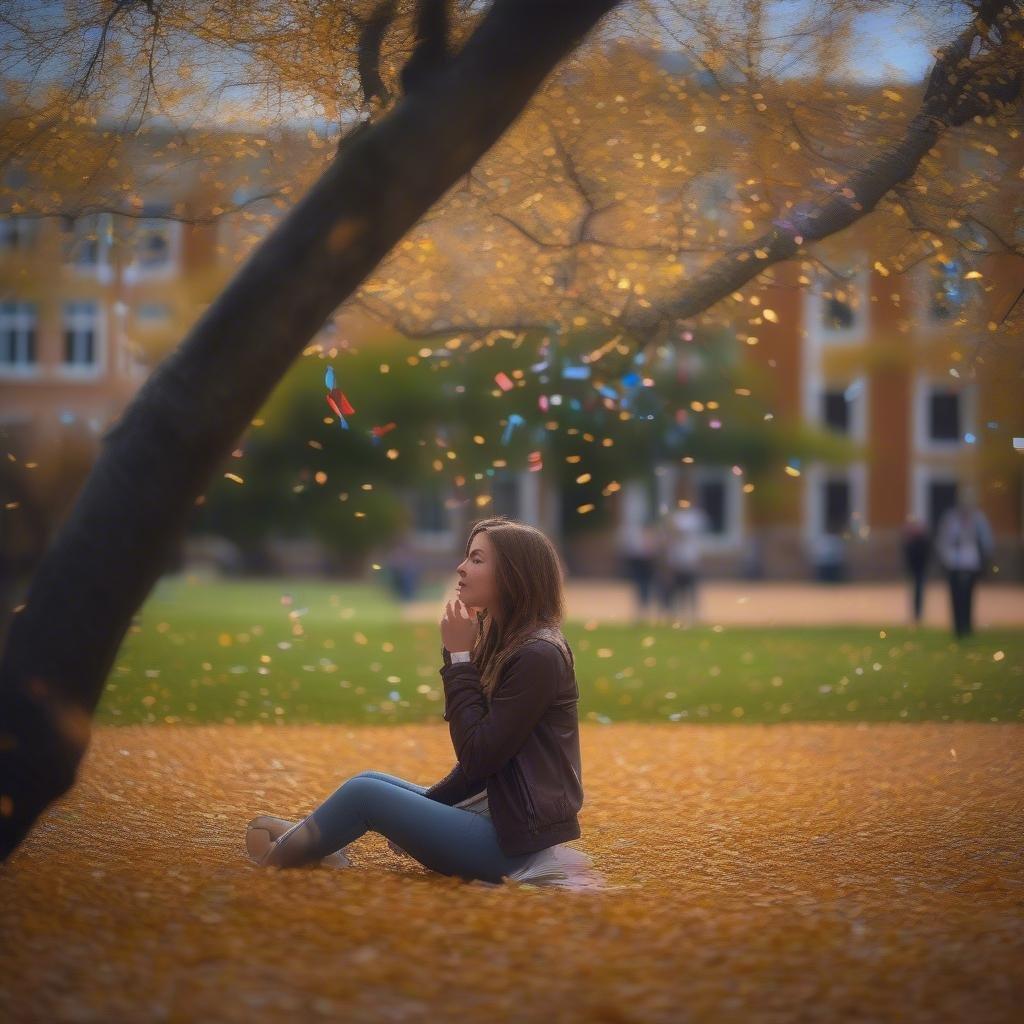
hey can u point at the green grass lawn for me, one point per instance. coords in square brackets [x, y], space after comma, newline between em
[310, 651]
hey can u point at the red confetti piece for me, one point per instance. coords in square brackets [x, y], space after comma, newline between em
[339, 396]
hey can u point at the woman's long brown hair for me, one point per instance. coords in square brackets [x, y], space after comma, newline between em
[528, 578]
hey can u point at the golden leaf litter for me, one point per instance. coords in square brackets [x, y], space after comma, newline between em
[823, 871]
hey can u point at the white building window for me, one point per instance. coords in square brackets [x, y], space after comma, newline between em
[82, 338]
[17, 234]
[153, 246]
[516, 494]
[87, 244]
[947, 290]
[432, 522]
[843, 409]
[156, 244]
[505, 495]
[943, 414]
[712, 498]
[934, 491]
[941, 288]
[835, 500]
[18, 322]
[837, 504]
[719, 496]
[836, 308]
[835, 411]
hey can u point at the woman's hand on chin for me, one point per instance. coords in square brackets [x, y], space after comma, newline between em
[458, 626]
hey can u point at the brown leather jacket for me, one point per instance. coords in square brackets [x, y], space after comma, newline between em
[523, 746]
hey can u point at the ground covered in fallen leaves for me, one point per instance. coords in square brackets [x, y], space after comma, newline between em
[764, 872]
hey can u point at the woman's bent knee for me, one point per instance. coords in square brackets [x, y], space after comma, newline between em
[378, 776]
[362, 782]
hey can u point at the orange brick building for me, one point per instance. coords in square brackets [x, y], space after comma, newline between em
[875, 357]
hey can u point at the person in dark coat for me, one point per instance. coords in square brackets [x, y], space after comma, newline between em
[917, 550]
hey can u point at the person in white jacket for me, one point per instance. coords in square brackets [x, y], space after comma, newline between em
[681, 533]
[964, 545]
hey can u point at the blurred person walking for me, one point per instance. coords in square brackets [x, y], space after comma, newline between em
[637, 543]
[964, 545]
[680, 532]
[917, 549]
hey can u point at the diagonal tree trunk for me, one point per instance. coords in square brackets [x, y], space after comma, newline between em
[159, 456]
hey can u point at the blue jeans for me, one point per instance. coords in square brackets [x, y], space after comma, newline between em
[449, 840]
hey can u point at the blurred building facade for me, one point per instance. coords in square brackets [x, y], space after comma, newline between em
[858, 350]
[874, 359]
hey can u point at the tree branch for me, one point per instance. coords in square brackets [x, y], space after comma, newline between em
[371, 36]
[431, 52]
[943, 105]
[90, 208]
[417, 332]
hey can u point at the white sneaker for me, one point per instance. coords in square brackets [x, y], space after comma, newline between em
[261, 834]
[264, 830]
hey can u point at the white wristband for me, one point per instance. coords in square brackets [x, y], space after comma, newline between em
[459, 656]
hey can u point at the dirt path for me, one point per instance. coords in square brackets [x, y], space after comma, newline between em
[770, 872]
[762, 603]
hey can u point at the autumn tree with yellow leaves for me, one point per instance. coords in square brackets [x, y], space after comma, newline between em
[157, 458]
[584, 232]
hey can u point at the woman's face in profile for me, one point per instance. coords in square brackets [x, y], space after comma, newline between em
[476, 585]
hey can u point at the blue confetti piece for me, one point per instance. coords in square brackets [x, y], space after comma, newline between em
[575, 372]
[608, 392]
[514, 420]
[329, 378]
[631, 380]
